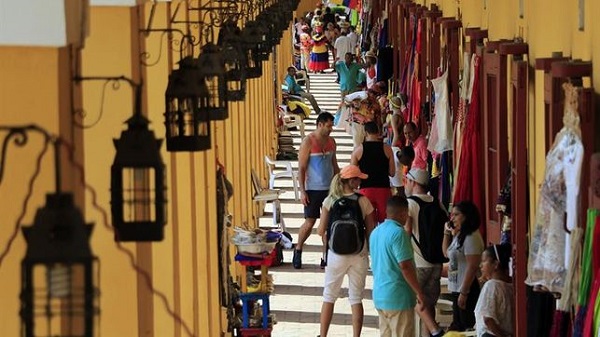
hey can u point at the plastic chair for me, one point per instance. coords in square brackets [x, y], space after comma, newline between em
[268, 195]
[302, 79]
[291, 120]
[288, 172]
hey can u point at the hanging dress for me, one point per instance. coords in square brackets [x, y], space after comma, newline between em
[440, 138]
[559, 194]
[459, 123]
[468, 182]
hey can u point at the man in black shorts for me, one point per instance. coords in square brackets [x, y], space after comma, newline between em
[317, 164]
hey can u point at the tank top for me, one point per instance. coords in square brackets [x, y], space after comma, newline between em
[374, 163]
[319, 170]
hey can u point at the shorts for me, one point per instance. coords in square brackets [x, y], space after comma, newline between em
[338, 266]
[378, 196]
[315, 201]
[396, 323]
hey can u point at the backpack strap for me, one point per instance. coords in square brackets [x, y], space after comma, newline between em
[419, 202]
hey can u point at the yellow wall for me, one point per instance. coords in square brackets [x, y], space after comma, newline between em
[36, 87]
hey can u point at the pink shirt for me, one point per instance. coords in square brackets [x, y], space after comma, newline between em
[420, 147]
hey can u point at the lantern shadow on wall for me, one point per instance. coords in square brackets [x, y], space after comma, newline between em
[59, 273]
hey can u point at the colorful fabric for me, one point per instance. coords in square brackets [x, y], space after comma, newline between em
[587, 256]
[319, 56]
[468, 182]
[352, 4]
[593, 309]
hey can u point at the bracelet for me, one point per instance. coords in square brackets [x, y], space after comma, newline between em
[464, 293]
[447, 233]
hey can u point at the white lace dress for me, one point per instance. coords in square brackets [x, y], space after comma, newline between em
[558, 203]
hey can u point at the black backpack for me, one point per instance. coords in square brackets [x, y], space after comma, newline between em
[346, 228]
[432, 219]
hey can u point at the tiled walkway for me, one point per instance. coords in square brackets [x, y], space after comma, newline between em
[297, 299]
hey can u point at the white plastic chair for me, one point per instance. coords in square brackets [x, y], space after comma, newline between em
[292, 120]
[302, 79]
[288, 172]
[268, 195]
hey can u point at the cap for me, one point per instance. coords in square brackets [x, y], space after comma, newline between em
[419, 176]
[352, 171]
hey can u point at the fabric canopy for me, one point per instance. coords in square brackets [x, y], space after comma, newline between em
[352, 4]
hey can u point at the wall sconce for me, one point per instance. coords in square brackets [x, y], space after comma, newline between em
[59, 273]
[187, 124]
[211, 69]
[137, 179]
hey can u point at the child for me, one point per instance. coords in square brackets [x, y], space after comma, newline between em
[494, 310]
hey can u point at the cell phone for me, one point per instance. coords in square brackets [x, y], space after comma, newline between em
[450, 224]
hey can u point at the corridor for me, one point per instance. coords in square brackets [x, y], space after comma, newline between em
[297, 298]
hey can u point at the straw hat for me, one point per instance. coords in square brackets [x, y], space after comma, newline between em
[370, 54]
[396, 102]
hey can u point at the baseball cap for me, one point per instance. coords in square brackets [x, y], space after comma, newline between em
[419, 176]
[352, 171]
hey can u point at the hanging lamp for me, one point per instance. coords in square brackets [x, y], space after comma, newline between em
[187, 125]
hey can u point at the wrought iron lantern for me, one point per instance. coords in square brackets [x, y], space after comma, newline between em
[187, 124]
[235, 61]
[211, 70]
[252, 39]
[59, 272]
[138, 182]
[268, 20]
[255, 35]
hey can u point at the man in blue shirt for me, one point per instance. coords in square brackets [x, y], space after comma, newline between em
[349, 74]
[395, 286]
[295, 89]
